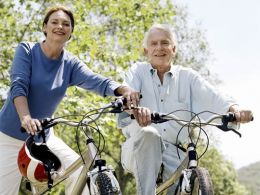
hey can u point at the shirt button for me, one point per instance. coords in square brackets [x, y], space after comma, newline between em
[161, 100]
[164, 129]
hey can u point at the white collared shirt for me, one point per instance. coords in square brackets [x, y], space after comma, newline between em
[182, 89]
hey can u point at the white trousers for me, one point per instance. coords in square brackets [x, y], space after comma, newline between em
[10, 177]
[143, 152]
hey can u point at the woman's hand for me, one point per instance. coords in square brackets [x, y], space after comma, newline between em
[27, 122]
[31, 125]
[132, 96]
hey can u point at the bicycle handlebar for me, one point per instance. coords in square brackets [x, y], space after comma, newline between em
[118, 106]
[225, 119]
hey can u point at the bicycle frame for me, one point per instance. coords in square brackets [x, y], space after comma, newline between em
[89, 156]
[190, 161]
[174, 178]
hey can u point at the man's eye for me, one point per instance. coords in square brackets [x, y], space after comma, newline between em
[165, 43]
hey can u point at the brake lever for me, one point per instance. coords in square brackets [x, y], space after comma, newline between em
[225, 128]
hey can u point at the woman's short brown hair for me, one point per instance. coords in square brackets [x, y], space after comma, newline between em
[55, 9]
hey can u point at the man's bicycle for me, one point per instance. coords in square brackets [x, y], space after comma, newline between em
[189, 177]
[96, 178]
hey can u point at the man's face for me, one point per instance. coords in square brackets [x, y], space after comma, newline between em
[160, 49]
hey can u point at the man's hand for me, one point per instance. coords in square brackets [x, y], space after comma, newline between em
[142, 116]
[242, 115]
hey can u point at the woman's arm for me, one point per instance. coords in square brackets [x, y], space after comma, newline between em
[31, 125]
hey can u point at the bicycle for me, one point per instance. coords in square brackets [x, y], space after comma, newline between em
[95, 178]
[191, 178]
[100, 179]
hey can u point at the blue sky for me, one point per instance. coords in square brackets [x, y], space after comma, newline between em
[232, 29]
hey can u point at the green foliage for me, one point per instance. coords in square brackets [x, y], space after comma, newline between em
[223, 174]
[108, 38]
[249, 176]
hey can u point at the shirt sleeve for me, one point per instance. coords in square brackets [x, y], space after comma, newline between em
[132, 78]
[21, 71]
[85, 78]
[205, 96]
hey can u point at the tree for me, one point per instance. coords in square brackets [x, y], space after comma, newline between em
[107, 36]
[223, 174]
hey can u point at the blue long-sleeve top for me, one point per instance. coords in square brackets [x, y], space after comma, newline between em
[44, 82]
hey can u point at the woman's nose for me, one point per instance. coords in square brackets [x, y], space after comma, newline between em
[60, 26]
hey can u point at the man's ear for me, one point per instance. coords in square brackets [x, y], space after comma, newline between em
[145, 51]
[174, 49]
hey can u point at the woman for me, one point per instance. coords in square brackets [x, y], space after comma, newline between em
[40, 75]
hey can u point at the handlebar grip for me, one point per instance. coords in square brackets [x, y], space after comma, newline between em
[125, 100]
[23, 130]
[230, 117]
[45, 123]
[154, 116]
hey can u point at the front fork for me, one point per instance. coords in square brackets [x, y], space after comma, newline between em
[186, 173]
[100, 166]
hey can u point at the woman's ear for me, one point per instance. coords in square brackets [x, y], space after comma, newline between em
[44, 29]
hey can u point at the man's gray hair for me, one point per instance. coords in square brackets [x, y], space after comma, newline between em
[164, 27]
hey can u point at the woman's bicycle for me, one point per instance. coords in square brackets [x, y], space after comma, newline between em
[189, 177]
[96, 178]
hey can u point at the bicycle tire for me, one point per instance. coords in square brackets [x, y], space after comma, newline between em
[104, 185]
[201, 183]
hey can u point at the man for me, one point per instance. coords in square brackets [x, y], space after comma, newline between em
[164, 87]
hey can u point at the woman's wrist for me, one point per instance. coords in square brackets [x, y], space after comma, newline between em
[121, 90]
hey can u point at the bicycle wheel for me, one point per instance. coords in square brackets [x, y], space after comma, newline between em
[104, 185]
[201, 183]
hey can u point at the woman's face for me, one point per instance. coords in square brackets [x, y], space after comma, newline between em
[58, 27]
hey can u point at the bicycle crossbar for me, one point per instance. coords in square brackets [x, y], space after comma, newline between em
[172, 180]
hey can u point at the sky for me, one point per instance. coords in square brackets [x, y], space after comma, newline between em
[232, 28]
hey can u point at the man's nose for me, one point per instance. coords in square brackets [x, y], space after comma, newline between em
[159, 46]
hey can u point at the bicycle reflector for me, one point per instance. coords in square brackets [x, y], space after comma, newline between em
[37, 162]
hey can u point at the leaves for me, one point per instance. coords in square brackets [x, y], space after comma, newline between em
[108, 37]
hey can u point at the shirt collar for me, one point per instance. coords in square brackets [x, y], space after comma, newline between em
[170, 72]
